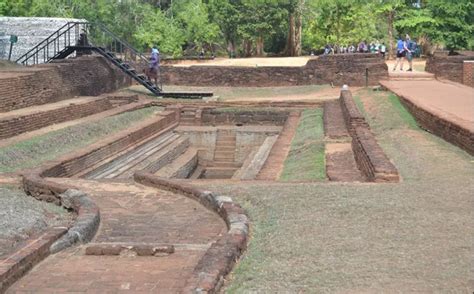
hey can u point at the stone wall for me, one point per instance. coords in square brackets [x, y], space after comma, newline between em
[84, 76]
[30, 31]
[337, 69]
[448, 67]
[369, 156]
[242, 117]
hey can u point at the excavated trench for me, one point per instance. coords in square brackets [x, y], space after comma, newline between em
[228, 144]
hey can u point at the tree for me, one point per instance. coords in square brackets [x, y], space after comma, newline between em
[226, 15]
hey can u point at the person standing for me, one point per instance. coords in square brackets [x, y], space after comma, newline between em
[410, 49]
[383, 49]
[400, 53]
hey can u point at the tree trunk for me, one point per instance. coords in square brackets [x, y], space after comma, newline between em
[390, 34]
[295, 23]
[259, 46]
[291, 35]
[231, 48]
[298, 33]
[247, 47]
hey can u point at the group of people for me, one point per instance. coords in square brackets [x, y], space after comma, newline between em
[405, 49]
[362, 47]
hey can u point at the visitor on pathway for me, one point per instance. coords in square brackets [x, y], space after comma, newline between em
[411, 48]
[401, 45]
[383, 49]
[154, 59]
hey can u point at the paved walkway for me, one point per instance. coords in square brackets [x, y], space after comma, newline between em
[451, 101]
[130, 214]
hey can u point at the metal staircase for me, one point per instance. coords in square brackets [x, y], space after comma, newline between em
[81, 38]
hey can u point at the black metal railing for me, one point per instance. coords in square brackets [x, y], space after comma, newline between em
[77, 38]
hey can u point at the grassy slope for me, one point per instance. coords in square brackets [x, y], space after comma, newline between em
[405, 237]
[305, 160]
[32, 152]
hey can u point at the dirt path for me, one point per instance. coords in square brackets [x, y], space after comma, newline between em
[130, 214]
[340, 162]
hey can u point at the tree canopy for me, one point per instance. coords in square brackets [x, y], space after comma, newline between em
[259, 27]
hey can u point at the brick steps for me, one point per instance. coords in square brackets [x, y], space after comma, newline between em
[219, 172]
[150, 156]
[224, 152]
[182, 167]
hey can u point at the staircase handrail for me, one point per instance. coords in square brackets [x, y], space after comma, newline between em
[48, 41]
[126, 44]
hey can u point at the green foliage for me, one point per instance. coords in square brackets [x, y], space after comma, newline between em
[176, 26]
[339, 22]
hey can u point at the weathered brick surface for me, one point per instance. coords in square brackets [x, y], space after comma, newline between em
[85, 76]
[12, 126]
[337, 69]
[370, 158]
[219, 117]
[71, 164]
[218, 261]
[448, 67]
[14, 266]
[448, 130]
[468, 73]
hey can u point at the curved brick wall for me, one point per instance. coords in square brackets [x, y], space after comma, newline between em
[337, 69]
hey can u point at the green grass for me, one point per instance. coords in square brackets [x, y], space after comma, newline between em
[305, 161]
[412, 236]
[32, 152]
[402, 111]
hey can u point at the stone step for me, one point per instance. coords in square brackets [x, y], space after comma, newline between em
[219, 173]
[224, 164]
[105, 170]
[226, 148]
[224, 159]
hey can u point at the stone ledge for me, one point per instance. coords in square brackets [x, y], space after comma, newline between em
[217, 262]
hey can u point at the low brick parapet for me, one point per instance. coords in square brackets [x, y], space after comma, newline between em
[370, 158]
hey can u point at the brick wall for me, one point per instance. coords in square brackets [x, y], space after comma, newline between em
[369, 156]
[447, 67]
[12, 126]
[337, 69]
[468, 73]
[42, 84]
[452, 133]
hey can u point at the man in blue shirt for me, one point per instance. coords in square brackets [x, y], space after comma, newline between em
[401, 45]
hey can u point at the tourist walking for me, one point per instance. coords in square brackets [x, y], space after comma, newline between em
[401, 45]
[154, 59]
